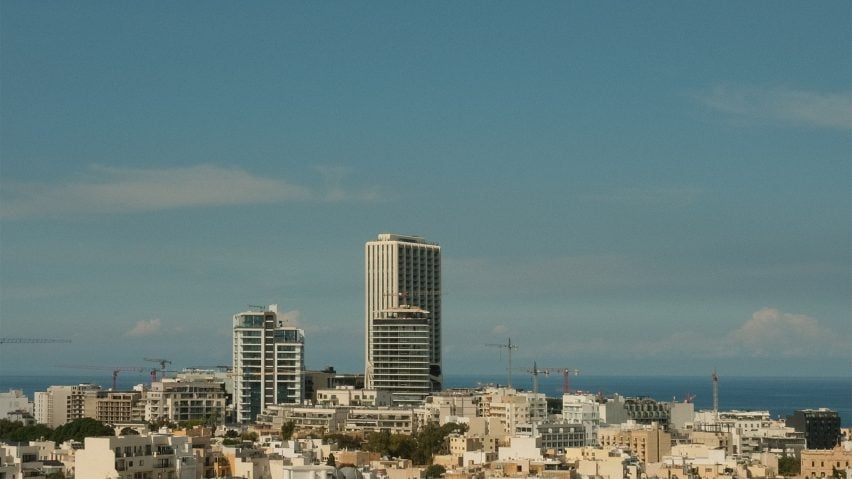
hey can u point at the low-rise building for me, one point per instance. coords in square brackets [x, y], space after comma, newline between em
[180, 400]
[826, 462]
[155, 456]
[647, 443]
[349, 396]
[14, 402]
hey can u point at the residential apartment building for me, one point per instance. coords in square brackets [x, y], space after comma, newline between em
[180, 400]
[400, 354]
[62, 404]
[582, 409]
[349, 396]
[130, 457]
[648, 443]
[116, 407]
[269, 362]
[403, 271]
[14, 401]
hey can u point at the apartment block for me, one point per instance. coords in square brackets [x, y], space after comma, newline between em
[269, 362]
[403, 271]
[137, 457]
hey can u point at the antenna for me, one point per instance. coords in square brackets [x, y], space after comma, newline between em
[509, 346]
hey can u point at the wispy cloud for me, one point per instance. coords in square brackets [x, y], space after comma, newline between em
[146, 327]
[104, 190]
[802, 107]
[769, 333]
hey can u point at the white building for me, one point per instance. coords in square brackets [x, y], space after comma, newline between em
[154, 456]
[14, 401]
[582, 409]
[62, 404]
[181, 400]
[403, 271]
[269, 362]
[349, 396]
[400, 354]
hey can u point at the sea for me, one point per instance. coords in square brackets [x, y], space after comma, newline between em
[778, 395]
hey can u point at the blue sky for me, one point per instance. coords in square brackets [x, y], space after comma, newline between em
[642, 188]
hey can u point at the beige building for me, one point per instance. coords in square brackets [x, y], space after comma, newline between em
[349, 396]
[62, 404]
[181, 400]
[306, 418]
[130, 457]
[395, 420]
[649, 444]
[824, 462]
[113, 407]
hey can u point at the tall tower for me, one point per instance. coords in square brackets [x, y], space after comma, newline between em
[269, 362]
[402, 282]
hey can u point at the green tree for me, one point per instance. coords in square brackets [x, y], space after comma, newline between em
[331, 461]
[128, 431]
[80, 429]
[435, 470]
[287, 430]
[343, 441]
[788, 466]
[15, 431]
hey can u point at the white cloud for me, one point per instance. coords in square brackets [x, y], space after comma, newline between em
[832, 110]
[500, 329]
[146, 327]
[103, 190]
[769, 333]
[773, 333]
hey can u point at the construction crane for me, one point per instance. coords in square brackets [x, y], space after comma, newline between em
[535, 371]
[32, 340]
[162, 362]
[115, 370]
[509, 347]
[715, 378]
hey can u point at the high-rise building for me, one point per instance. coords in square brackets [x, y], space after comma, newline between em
[269, 362]
[403, 315]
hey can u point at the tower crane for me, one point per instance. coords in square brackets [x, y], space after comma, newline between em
[509, 347]
[162, 362]
[115, 370]
[535, 371]
[32, 340]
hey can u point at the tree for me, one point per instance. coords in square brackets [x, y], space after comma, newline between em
[15, 431]
[80, 429]
[435, 470]
[788, 466]
[331, 461]
[287, 430]
[128, 431]
[343, 441]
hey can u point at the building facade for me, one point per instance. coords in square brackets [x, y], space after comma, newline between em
[180, 400]
[820, 426]
[400, 354]
[403, 271]
[269, 362]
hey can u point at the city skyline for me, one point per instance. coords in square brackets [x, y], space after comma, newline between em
[640, 189]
